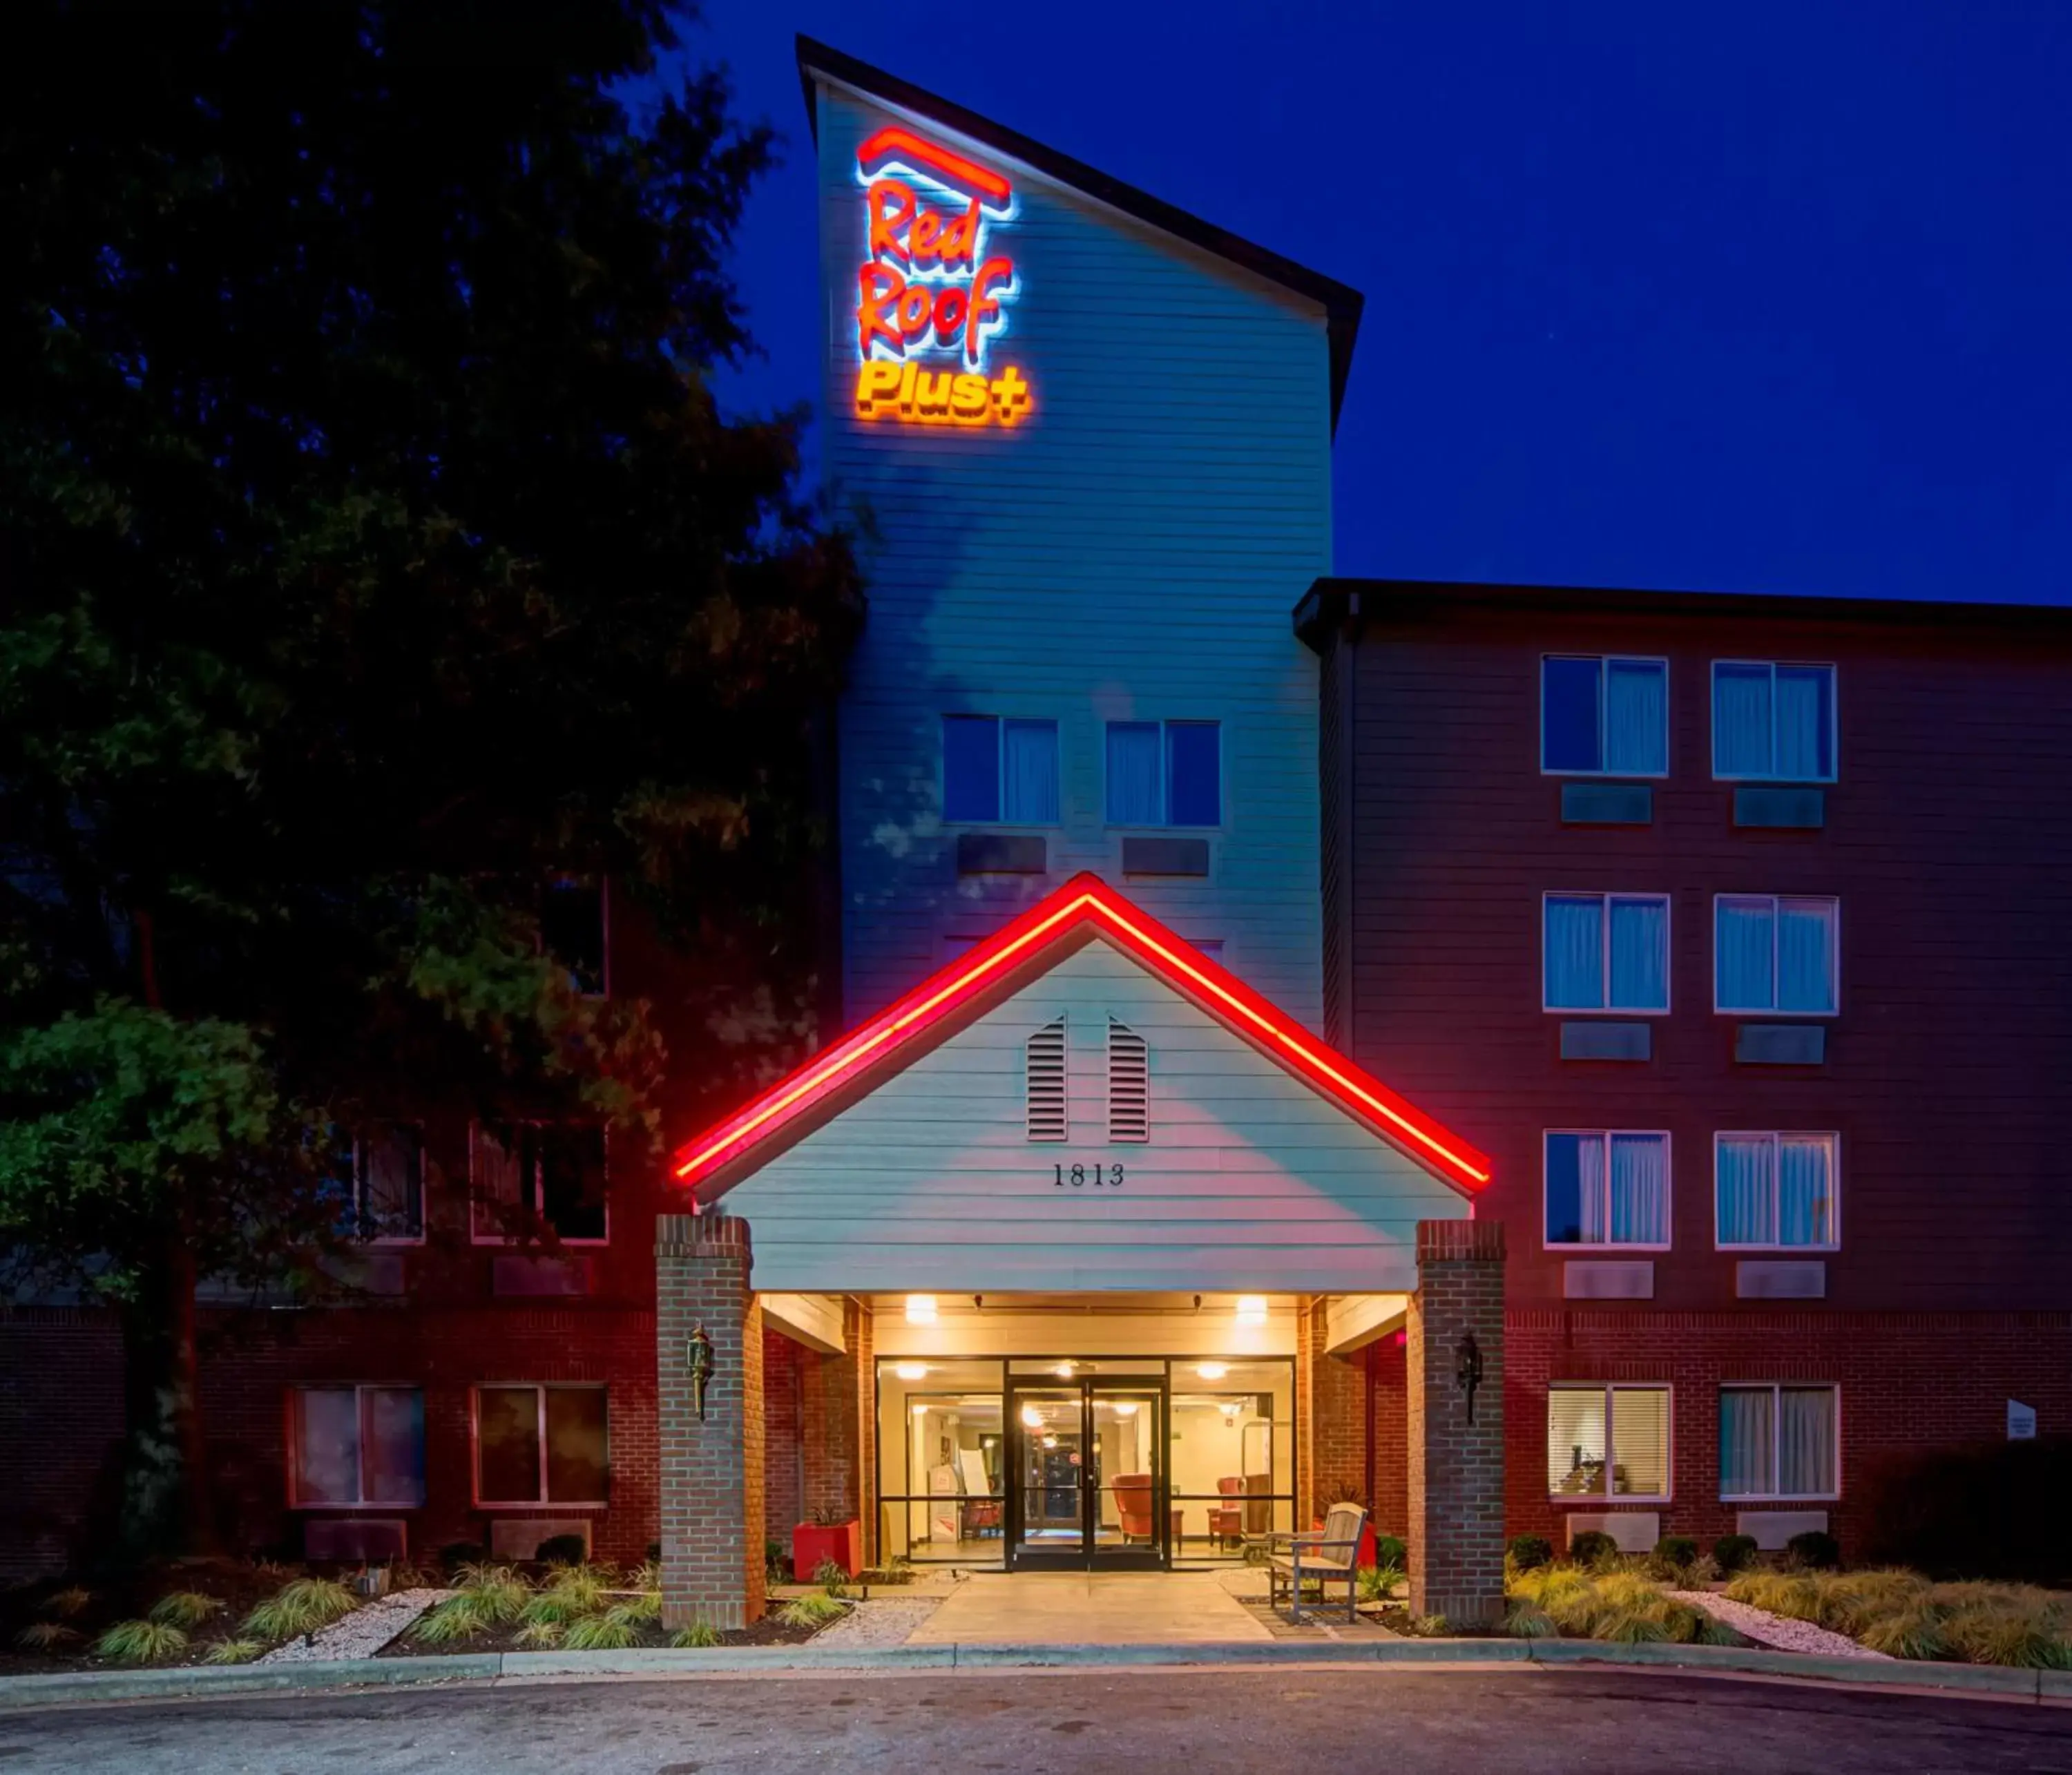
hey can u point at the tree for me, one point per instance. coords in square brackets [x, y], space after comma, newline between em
[373, 549]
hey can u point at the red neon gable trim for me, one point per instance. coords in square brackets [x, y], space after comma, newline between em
[1084, 899]
[894, 143]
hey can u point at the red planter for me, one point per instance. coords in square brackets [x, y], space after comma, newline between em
[1367, 1556]
[813, 1542]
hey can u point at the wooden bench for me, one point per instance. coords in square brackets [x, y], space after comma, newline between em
[1323, 1559]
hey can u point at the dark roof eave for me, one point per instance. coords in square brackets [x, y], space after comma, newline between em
[1341, 302]
[1333, 602]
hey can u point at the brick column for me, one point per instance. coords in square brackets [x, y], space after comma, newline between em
[1456, 1467]
[711, 1468]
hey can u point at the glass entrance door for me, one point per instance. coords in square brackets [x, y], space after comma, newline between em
[1089, 1485]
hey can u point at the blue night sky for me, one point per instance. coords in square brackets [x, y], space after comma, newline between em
[1759, 297]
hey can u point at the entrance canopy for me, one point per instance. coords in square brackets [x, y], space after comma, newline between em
[1083, 1103]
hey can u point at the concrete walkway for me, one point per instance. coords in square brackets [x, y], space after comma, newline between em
[1091, 1608]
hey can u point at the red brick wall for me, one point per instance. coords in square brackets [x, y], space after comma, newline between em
[783, 1417]
[1955, 1027]
[60, 1434]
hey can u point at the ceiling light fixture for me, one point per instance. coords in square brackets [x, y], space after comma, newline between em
[920, 1309]
[910, 1372]
[1213, 1371]
[1252, 1310]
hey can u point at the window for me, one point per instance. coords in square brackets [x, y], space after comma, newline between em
[1779, 1442]
[574, 929]
[1604, 717]
[1773, 722]
[1128, 1084]
[1606, 952]
[1044, 1083]
[540, 1445]
[1608, 1189]
[1608, 1442]
[996, 771]
[532, 1174]
[355, 1445]
[1773, 952]
[1164, 773]
[1774, 1191]
[388, 1183]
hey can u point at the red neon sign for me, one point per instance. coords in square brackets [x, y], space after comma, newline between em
[928, 287]
[1087, 900]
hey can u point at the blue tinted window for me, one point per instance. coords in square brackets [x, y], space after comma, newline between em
[970, 767]
[1133, 773]
[1569, 738]
[1193, 755]
[1564, 1188]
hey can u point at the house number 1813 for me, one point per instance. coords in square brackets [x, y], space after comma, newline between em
[1104, 1177]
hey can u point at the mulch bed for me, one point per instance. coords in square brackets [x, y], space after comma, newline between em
[766, 1632]
[127, 1596]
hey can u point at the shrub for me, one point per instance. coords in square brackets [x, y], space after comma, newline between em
[1677, 1552]
[612, 1631]
[46, 1636]
[456, 1554]
[776, 1563]
[140, 1643]
[1529, 1552]
[1910, 1633]
[500, 1592]
[1524, 1621]
[562, 1550]
[235, 1651]
[1392, 1550]
[832, 1578]
[458, 1617]
[1376, 1581]
[184, 1608]
[697, 1636]
[1592, 1547]
[1815, 1549]
[68, 1602]
[815, 1610]
[301, 1605]
[1733, 1553]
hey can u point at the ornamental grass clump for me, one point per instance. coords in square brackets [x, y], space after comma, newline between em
[1619, 1607]
[612, 1631]
[185, 1609]
[140, 1643]
[234, 1651]
[698, 1637]
[458, 1617]
[814, 1610]
[46, 1636]
[540, 1636]
[2011, 1633]
[303, 1606]
[498, 1592]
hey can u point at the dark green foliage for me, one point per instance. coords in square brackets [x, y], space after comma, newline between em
[1992, 1509]
[1820, 1550]
[456, 1554]
[1676, 1551]
[562, 1550]
[375, 553]
[1529, 1552]
[1592, 1547]
[1390, 1550]
[1734, 1553]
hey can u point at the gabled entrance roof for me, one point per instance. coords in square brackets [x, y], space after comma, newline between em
[1084, 909]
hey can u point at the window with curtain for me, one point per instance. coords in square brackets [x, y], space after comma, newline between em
[1607, 1187]
[388, 1182]
[1164, 773]
[1604, 952]
[1604, 715]
[527, 1176]
[1776, 952]
[1779, 1442]
[1773, 722]
[999, 771]
[357, 1445]
[1775, 1190]
[1607, 1441]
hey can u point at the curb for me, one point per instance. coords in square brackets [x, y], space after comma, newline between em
[63, 1690]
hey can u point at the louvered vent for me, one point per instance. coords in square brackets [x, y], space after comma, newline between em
[1128, 1084]
[1047, 1083]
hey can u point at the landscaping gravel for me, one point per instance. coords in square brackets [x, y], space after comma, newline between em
[362, 1632]
[885, 1621]
[1779, 1631]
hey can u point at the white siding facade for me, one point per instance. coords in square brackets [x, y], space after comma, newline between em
[1250, 1180]
[1130, 550]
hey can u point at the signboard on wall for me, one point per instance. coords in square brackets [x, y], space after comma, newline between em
[934, 293]
[2022, 1422]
